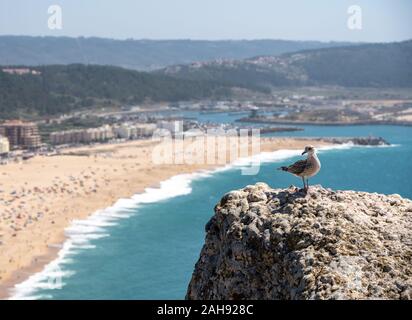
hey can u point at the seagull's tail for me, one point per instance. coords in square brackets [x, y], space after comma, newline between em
[283, 168]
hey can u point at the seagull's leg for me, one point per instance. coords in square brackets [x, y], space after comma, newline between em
[307, 184]
[304, 185]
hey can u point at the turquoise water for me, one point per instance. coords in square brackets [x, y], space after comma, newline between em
[151, 254]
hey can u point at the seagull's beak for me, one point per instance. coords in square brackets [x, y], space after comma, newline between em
[304, 152]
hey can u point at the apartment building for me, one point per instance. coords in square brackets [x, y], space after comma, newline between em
[133, 131]
[21, 134]
[100, 134]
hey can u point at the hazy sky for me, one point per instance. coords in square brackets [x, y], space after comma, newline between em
[382, 20]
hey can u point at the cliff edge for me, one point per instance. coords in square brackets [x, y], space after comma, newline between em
[265, 243]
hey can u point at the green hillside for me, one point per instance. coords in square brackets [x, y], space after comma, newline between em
[372, 65]
[60, 89]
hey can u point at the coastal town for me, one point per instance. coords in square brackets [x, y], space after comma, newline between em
[20, 140]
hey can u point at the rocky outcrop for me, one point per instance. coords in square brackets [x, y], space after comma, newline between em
[359, 141]
[265, 243]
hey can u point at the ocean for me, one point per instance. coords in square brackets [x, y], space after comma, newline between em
[146, 247]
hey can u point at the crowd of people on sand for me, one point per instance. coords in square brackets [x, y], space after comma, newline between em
[28, 203]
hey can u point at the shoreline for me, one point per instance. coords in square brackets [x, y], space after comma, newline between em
[326, 123]
[45, 250]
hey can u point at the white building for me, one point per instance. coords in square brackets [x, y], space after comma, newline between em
[145, 130]
[4, 145]
[133, 131]
[123, 131]
[171, 126]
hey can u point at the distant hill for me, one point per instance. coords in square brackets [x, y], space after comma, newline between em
[369, 65]
[63, 88]
[139, 54]
[59, 89]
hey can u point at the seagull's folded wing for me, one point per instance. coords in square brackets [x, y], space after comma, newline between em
[298, 167]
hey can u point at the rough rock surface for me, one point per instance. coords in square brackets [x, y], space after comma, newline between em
[265, 243]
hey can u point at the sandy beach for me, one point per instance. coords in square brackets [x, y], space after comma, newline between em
[40, 197]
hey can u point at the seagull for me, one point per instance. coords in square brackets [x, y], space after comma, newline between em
[305, 168]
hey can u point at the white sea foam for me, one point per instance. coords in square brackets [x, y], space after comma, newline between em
[380, 146]
[81, 232]
[280, 155]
